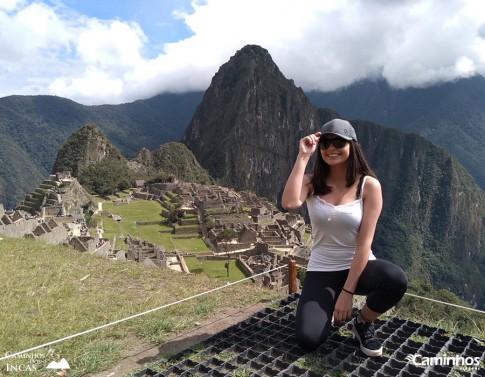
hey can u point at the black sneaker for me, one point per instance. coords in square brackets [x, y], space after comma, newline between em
[365, 333]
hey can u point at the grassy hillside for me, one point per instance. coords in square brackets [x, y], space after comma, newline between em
[50, 292]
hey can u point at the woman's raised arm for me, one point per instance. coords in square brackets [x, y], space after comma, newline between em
[298, 186]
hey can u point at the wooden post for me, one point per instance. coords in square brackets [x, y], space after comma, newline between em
[292, 285]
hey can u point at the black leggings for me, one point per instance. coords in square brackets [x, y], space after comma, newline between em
[382, 282]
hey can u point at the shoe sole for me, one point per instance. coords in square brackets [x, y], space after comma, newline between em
[368, 352]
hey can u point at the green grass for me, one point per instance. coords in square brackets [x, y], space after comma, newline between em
[138, 210]
[195, 245]
[215, 268]
[50, 292]
[144, 211]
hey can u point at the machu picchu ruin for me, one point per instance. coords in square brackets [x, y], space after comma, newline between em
[237, 226]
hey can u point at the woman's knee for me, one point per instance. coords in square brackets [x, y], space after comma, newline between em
[398, 281]
[311, 331]
[390, 290]
[391, 276]
[308, 341]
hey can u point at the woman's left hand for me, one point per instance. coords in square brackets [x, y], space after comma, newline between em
[343, 307]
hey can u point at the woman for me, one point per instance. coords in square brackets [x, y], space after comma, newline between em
[344, 201]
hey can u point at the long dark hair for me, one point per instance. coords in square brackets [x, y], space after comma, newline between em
[357, 165]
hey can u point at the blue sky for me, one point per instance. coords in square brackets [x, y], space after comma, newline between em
[154, 16]
[115, 51]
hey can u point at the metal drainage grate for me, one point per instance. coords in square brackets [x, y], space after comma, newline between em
[265, 345]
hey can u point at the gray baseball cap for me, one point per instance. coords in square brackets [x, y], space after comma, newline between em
[340, 128]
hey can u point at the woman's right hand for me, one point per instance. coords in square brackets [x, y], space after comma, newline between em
[309, 144]
[298, 185]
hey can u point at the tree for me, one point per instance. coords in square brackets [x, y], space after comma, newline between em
[225, 236]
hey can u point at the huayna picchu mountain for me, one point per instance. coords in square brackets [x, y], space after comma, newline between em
[250, 119]
[245, 133]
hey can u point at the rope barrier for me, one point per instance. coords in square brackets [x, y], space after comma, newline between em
[445, 303]
[193, 297]
[430, 299]
[137, 315]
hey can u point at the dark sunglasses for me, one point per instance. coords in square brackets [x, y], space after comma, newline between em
[338, 143]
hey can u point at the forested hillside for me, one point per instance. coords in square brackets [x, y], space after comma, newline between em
[100, 167]
[33, 128]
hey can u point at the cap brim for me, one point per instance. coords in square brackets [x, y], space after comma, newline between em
[339, 135]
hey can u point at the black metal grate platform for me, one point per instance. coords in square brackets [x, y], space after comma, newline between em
[265, 345]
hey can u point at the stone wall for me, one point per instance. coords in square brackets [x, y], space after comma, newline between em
[143, 195]
[56, 236]
[228, 247]
[19, 228]
[186, 230]
[249, 272]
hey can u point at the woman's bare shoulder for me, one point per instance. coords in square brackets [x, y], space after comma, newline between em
[373, 182]
[372, 185]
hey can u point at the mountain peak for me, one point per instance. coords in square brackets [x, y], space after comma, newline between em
[253, 56]
[240, 130]
[249, 67]
[87, 146]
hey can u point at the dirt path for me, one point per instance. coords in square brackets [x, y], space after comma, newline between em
[141, 355]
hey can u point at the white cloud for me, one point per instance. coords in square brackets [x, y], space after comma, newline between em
[320, 44]
[10, 5]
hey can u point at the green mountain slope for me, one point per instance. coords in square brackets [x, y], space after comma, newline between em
[17, 172]
[33, 128]
[170, 160]
[91, 157]
[432, 220]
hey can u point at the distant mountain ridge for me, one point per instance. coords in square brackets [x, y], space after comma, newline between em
[245, 133]
[450, 114]
[33, 128]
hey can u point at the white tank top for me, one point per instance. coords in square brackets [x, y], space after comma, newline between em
[335, 229]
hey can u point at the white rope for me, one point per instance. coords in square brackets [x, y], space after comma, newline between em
[137, 315]
[429, 299]
[445, 303]
[193, 297]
